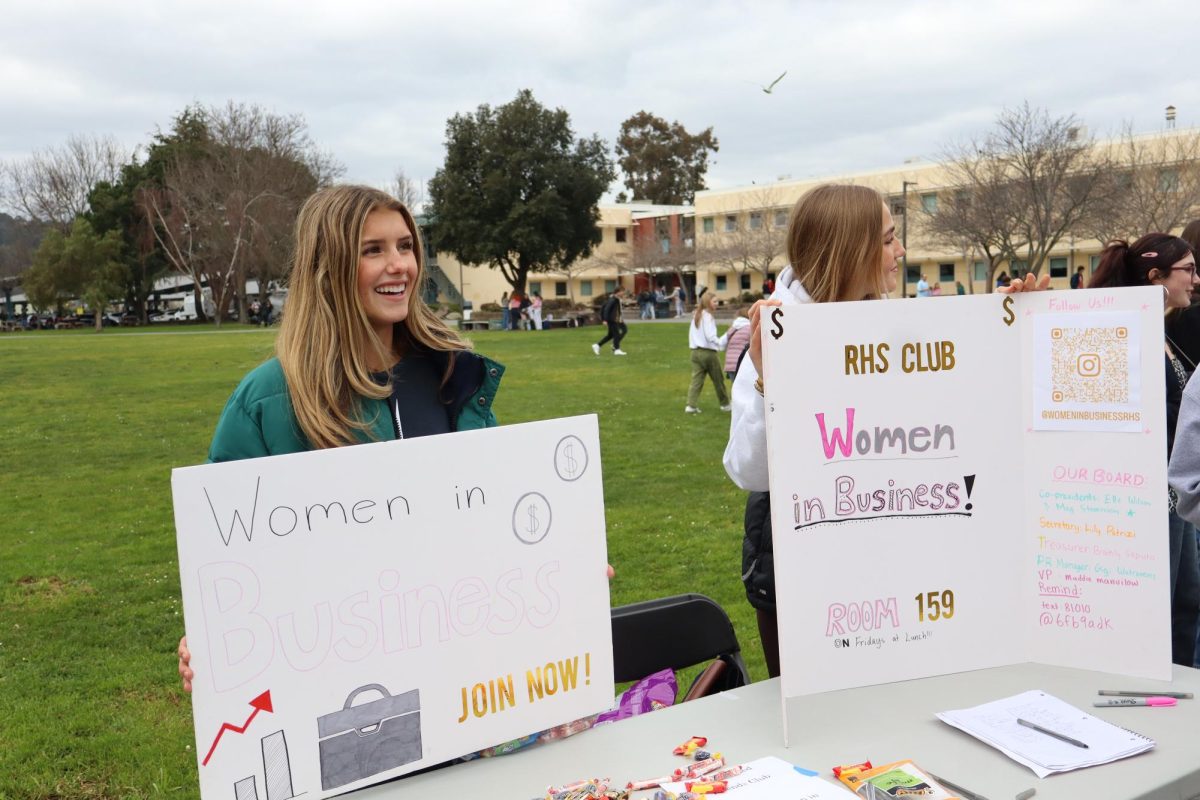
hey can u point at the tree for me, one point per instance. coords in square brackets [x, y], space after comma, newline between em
[233, 190]
[1154, 186]
[1017, 192]
[407, 190]
[758, 239]
[662, 162]
[77, 264]
[52, 185]
[19, 238]
[517, 191]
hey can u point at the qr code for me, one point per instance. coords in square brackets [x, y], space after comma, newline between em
[1089, 365]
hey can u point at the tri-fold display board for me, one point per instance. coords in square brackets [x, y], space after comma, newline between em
[968, 482]
[360, 613]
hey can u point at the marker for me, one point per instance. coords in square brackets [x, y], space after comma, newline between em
[1136, 701]
[1060, 736]
[1122, 693]
[1028, 793]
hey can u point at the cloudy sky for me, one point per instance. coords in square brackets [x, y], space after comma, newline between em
[868, 84]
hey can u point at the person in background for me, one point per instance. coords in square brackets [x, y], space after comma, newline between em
[1167, 261]
[841, 246]
[1183, 327]
[736, 344]
[959, 289]
[514, 311]
[704, 344]
[680, 297]
[922, 286]
[535, 311]
[936, 291]
[504, 312]
[1077, 279]
[610, 314]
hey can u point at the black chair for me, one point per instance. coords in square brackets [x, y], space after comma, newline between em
[678, 632]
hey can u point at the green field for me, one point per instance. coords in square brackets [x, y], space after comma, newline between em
[90, 704]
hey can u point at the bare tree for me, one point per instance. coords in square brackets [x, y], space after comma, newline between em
[1154, 186]
[52, 185]
[1020, 190]
[234, 197]
[758, 239]
[407, 190]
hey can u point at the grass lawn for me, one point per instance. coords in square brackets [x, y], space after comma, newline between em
[89, 588]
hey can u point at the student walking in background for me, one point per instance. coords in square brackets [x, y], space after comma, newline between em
[704, 344]
[504, 312]
[535, 311]
[610, 315]
[841, 245]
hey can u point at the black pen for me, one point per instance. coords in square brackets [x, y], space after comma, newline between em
[967, 794]
[1060, 736]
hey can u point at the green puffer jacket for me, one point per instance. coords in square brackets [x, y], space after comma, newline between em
[259, 421]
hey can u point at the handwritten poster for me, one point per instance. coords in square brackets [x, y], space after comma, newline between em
[968, 482]
[360, 613]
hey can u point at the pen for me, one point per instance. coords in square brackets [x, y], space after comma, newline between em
[1136, 701]
[1028, 793]
[1051, 733]
[1121, 693]
[1061, 737]
[967, 794]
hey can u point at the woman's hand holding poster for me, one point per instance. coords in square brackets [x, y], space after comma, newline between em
[968, 483]
[359, 613]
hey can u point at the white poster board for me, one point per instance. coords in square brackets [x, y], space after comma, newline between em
[968, 482]
[360, 613]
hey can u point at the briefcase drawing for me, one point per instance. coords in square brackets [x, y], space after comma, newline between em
[359, 741]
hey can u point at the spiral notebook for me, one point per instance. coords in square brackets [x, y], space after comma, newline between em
[996, 724]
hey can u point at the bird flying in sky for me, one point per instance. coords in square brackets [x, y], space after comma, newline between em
[771, 86]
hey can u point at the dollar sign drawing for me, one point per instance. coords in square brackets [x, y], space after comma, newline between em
[533, 520]
[569, 456]
[777, 331]
[1009, 316]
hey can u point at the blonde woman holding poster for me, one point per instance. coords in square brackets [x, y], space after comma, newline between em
[360, 357]
[841, 245]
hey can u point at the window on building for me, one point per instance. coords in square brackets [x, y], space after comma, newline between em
[929, 203]
[535, 287]
[755, 220]
[730, 223]
[1168, 180]
[621, 235]
[781, 216]
[744, 282]
[585, 288]
[1017, 268]
[913, 274]
[722, 283]
[560, 288]
[945, 273]
[708, 225]
[1058, 268]
[980, 271]
[610, 287]
[1093, 262]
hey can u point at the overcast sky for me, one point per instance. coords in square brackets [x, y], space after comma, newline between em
[868, 84]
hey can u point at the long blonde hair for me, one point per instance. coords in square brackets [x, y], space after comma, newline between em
[326, 340]
[835, 242]
[702, 306]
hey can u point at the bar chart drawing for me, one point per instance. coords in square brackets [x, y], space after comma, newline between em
[277, 767]
[277, 772]
[245, 789]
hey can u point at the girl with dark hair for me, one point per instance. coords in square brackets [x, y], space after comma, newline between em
[1167, 261]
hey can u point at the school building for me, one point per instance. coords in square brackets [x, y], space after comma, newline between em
[732, 240]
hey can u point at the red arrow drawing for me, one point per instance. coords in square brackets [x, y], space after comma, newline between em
[260, 703]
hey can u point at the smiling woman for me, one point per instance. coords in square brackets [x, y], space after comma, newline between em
[359, 356]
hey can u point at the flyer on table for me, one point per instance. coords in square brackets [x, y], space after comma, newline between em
[359, 613]
[977, 484]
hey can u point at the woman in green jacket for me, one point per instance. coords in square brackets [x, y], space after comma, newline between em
[359, 357]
